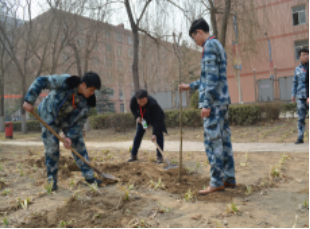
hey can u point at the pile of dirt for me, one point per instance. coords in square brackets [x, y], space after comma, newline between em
[99, 211]
[66, 165]
[140, 175]
[63, 162]
[2, 185]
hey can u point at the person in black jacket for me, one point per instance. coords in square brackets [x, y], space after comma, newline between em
[147, 112]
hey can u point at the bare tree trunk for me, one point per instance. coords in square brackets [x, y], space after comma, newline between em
[135, 34]
[177, 52]
[135, 64]
[23, 112]
[213, 18]
[124, 97]
[225, 22]
[78, 61]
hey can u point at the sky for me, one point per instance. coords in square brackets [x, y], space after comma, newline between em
[173, 20]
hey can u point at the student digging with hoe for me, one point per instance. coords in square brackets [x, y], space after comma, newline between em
[66, 107]
[214, 101]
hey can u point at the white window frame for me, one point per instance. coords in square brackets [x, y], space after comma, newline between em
[299, 11]
[297, 47]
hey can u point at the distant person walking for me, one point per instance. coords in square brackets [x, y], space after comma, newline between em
[300, 93]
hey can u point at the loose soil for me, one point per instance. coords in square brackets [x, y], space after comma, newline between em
[272, 202]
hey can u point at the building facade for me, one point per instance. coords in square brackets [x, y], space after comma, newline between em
[268, 64]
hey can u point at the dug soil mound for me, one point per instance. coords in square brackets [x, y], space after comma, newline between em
[66, 165]
[63, 162]
[100, 211]
[2, 185]
[140, 175]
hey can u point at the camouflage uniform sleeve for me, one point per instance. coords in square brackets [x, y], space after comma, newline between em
[76, 130]
[195, 85]
[212, 74]
[295, 83]
[41, 83]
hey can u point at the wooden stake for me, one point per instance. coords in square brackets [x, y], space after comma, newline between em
[177, 52]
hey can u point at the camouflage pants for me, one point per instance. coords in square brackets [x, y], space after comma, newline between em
[302, 110]
[51, 144]
[218, 146]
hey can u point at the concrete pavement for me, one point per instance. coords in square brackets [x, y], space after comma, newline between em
[172, 146]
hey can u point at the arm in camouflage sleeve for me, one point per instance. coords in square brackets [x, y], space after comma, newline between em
[295, 83]
[43, 82]
[195, 85]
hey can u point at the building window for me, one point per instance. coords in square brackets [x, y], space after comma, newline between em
[107, 34]
[110, 92]
[108, 47]
[299, 45]
[94, 45]
[65, 57]
[120, 65]
[108, 62]
[80, 42]
[95, 61]
[299, 15]
[119, 38]
[80, 29]
[109, 76]
[112, 107]
[119, 51]
[130, 52]
[122, 108]
[121, 94]
[130, 40]
[62, 38]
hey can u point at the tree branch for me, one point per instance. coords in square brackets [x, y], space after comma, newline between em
[144, 9]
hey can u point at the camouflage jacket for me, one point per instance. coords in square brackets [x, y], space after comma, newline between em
[61, 87]
[212, 85]
[299, 83]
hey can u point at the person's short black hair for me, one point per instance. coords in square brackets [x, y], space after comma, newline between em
[303, 50]
[91, 79]
[198, 24]
[141, 93]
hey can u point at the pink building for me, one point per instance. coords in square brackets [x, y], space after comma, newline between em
[286, 24]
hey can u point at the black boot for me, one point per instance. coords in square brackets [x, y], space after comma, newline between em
[159, 160]
[299, 141]
[55, 187]
[132, 158]
[93, 180]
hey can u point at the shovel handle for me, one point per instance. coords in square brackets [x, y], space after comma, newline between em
[60, 139]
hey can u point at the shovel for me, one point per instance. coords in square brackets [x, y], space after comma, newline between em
[162, 153]
[102, 175]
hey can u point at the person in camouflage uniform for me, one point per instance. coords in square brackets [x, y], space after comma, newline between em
[299, 93]
[214, 101]
[65, 108]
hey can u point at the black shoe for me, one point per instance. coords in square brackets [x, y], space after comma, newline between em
[91, 181]
[55, 187]
[159, 160]
[299, 141]
[133, 158]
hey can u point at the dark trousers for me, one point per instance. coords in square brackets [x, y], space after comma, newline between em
[138, 138]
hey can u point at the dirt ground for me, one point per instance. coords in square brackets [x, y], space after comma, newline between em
[280, 131]
[147, 195]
